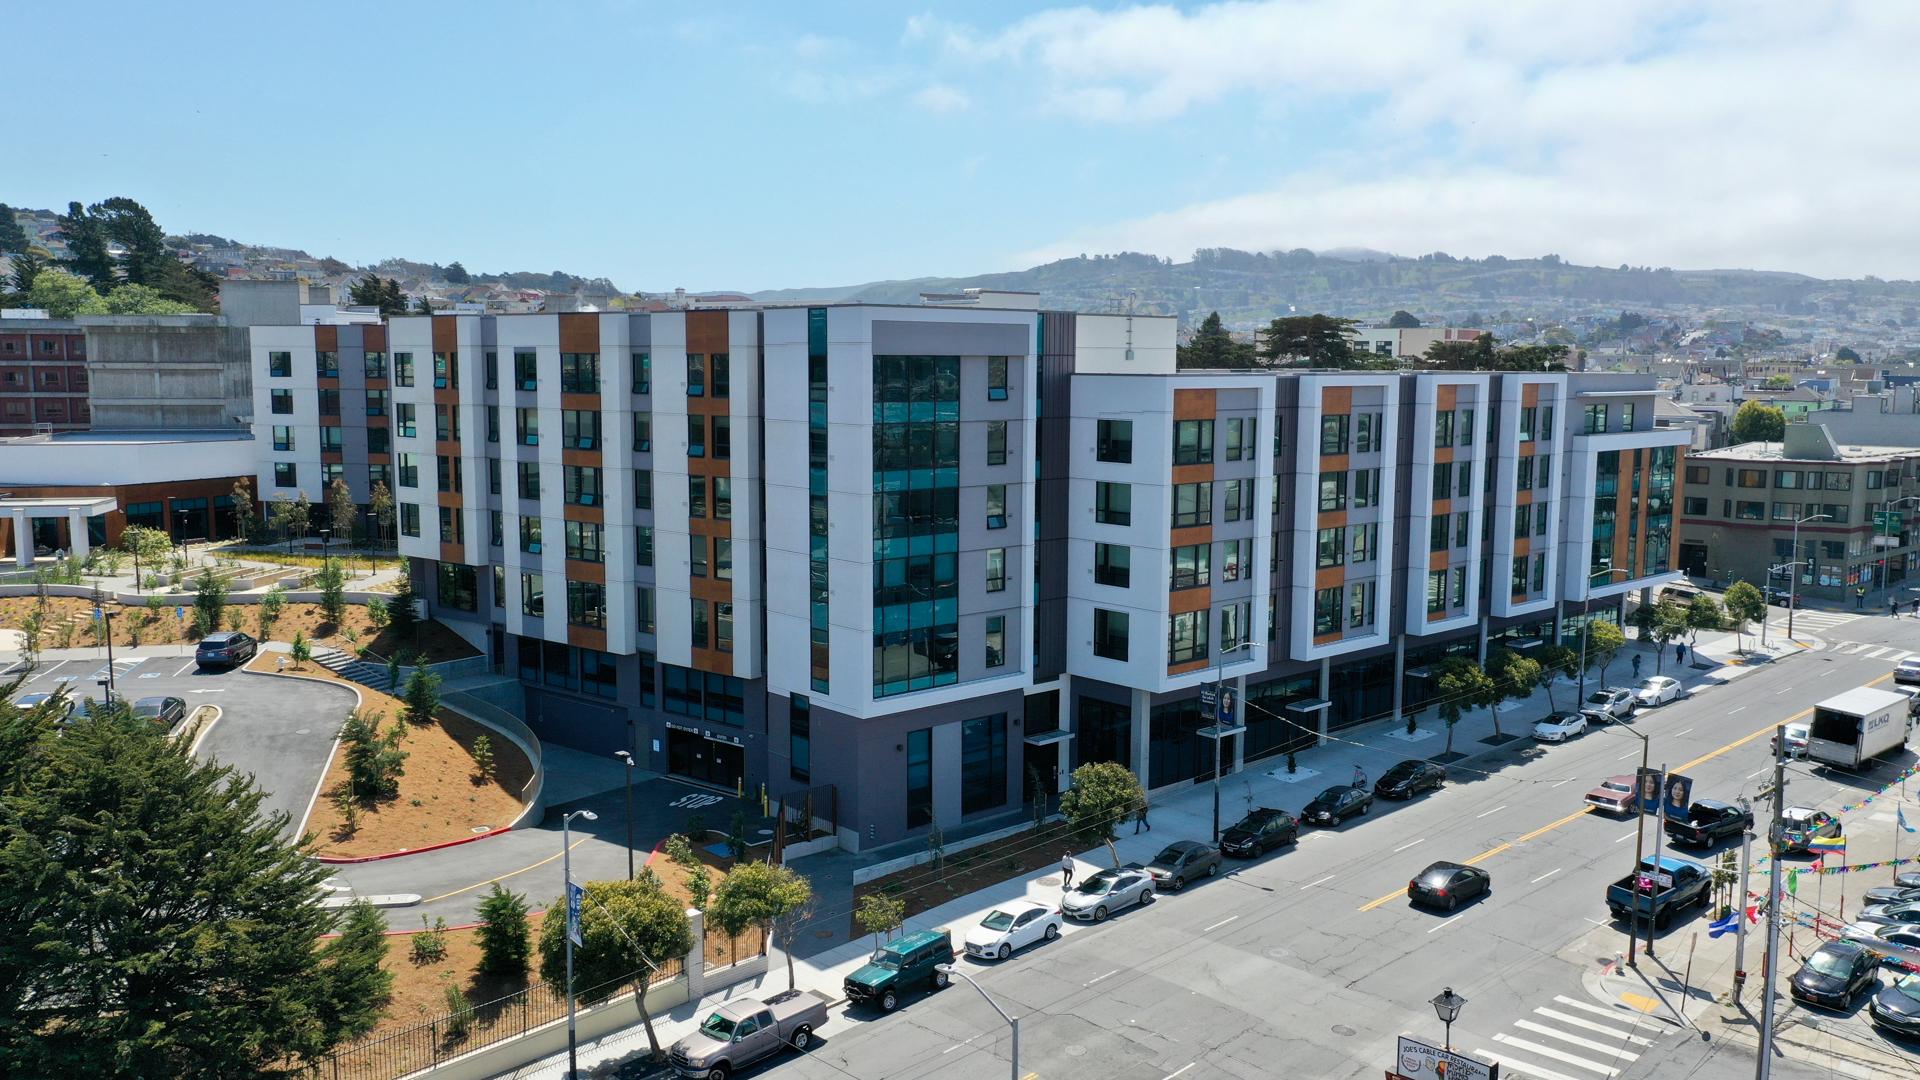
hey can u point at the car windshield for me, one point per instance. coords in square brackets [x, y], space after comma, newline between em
[1332, 794]
[718, 1027]
[1620, 786]
[1437, 878]
[883, 959]
[1908, 985]
[999, 920]
[1830, 962]
[1252, 821]
[1599, 697]
[1168, 855]
[146, 710]
[1097, 885]
[1400, 772]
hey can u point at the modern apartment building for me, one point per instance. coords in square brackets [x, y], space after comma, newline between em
[1855, 504]
[918, 554]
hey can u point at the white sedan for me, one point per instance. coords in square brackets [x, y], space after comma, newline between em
[1657, 690]
[1008, 929]
[1560, 726]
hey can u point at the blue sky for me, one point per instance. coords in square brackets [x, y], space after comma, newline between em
[775, 145]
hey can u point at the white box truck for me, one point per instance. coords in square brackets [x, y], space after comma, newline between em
[1851, 729]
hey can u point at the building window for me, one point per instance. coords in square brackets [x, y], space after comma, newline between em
[1333, 491]
[490, 368]
[996, 378]
[1366, 542]
[529, 478]
[696, 496]
[448, 473]
[1523, 479]
[644, 609]
[996, 569]
[1192, 504]
[409, 519]
[696, 436]
[496, 528]
[1115, 442]
[996, 506]
[285, 474]
[1539, 519]
[642, 489]
[800, 738]
[526, 426]
[375, 365]
[530, 534]
[1112, 565]
[533, 595]
[722, 438]
[376, 403]
[579, 373]
[280, 365]
[282, 438]
[723, 498]
[1442, 429]
[1626, 416]
[583, 541]
[1192, 566]
[1187, 637]
[499, 586]
[1233, 624]
[579, 429]
[457, 586]
[1326, 611]
[526, 369]
[1697, 505]
[1596, 419]
[1333, 434]
[1366, 488]
[1360, 604]
[1543, 471]
[281, 402]
[700, 623]
[722, 558]
[983, 763]
[443, 368]
[696, 375]
[721, 371]
[1239, 500]
[697, 555]
[1750, 511]
[587, 604]
[1236, 559]
[1459, 574]
[403, 369]
[329, 402]
[642, 373]
[643, 432]
[1368, 435]
[643, 545]
[919, 778]
[996, 641]
[1193, 442]
[1112, 503]
[582, 484]
[1752, 478]
[1436, 591]
[409, 470]
[997, 442]
[1331, 548]
[1110, 634]
[1242, 437]
[493, 423]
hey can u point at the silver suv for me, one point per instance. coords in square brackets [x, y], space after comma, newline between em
[1613, 701]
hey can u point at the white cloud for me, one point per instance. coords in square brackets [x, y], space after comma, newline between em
[942, 98]
[1683, 132]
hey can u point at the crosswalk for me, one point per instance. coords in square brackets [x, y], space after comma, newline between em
[1813, 620]
[1570, 1039]
[1892, 654]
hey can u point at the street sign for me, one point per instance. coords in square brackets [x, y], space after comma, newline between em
[1419, 1061]
[574, 895]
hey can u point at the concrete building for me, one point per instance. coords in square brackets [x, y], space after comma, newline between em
[178, 482]
[43, 374]
[168, 372]
[1741, 504]
[1885, 417]
[1407, 342]
[905, 553]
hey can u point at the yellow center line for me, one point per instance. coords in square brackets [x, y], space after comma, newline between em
[503, 877]
[1702, 759]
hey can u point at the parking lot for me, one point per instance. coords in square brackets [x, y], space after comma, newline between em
[280, 731]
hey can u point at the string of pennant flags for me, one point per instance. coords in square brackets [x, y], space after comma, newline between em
[1838, 845]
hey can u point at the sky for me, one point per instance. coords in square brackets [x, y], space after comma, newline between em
[755, 146]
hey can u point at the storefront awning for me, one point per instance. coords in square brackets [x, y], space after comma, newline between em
[1309, 705]
[1215, 731]
[1048, 738]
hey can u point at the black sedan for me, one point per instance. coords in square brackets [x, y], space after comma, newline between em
[1336, 804]
[1448, 885]
[1258, 832]
[1834, 975]
[1897, 1007]
[1181, 862]
[1410, 778]
[163, 712]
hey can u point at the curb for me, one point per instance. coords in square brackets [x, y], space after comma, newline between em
[332, 752]
[344, 860]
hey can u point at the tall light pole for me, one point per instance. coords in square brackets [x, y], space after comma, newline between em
[1793, 582]
[1639, 843]
[566, 895]
[1786, 567]
[628, 758]
[1586, 620]
[1012, 1021]
[1218, 731]
[1447, 1005]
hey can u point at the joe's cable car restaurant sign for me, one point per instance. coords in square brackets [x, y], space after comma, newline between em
[1418, 1061]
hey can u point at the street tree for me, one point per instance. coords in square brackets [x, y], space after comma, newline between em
[1743, 604]
[1756, 421]
[175, 933]
[505, 939]
[1462, 686]
[402, 618]
[1604, 641]
[1513, 677]
[332, 580]
[146, 545]
[880, 915]
[342, 514]
[289, 516]
[1704, 613]
[1099, 796]
[1669, 625]
[1555, 661]
[209, 602]
[1313, 341]
[380, 501]
[626, 927]
[64, 295]
[245, 515]
[764, 895]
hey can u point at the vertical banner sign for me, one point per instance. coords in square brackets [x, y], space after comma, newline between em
[1227, 710]
[1210, 702]
[574, 895]
[1651, 786]
[1679, 796]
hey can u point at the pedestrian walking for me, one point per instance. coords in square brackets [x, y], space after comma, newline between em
[1680, 652]
[1066, 870]
[1893, 608]
[1916, 607]
[1636, 665]
[1140, 819]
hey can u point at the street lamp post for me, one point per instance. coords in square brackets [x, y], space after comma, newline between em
[1447, 1005]
[628, 758]
[1793, 582]
[566, 897]
[1219, 731]
[1012, 1021]
[1639, 843]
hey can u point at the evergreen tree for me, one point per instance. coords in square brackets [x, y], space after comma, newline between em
[457, 274]
[332, 580]
[393, 301]
[1312, 341]
[423, 695]
[209, 602]
[422, 306]
[1403, 320]
[26, 267]
[505, 941]
[87, 246]
[1213, 347]
[13, 238]
[361, 987]
[401, 616]
[369, 291]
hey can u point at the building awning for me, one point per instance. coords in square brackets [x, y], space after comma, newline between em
[1215, 731]
[1048, 738]
[1309, 705]
[57, 506]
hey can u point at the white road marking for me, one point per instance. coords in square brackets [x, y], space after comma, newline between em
[1179, 1070]
[1588, 1006]
[184, 667]
[1097, 978]
[1546, 875]
[1577, 1040]
[1758, 772]
[1569, 1018]
[1628, 754]
[1493, 811]
[1782, 690]
[1322, 881]
[1628, 836]
[1877, 654]
[1220, 924]
[1568, 780]
[1681, 732]
[1736, 709]
[1557, 1055]
[1404, 847]
[1446, 922]
[1508, 1065]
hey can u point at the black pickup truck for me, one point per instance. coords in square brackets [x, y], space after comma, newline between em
[1707, 822]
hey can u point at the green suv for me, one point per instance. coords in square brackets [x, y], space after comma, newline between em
[898, 965]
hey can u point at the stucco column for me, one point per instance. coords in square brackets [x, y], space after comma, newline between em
[1139, 716]
[1240, 740]
[22, 540]
[77, 543]
[1326, 688]
[1399, 677]
[695, 964]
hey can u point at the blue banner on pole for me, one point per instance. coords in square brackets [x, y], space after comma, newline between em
[574, 895]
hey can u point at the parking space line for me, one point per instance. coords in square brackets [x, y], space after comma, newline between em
[184, 667]
[1627, 836]
[1446, 922]
[1175, 1072]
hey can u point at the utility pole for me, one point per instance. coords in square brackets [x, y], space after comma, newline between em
[1659, 842]
[1763, 1069]
[1639, 854]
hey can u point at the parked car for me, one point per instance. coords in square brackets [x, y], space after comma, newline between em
[1779, 597]
[898, 966]
[1410, 778]
[63, 711]
[1660, 887]
[1007, 930]
[226, 648]
[1181, 862]
[163, 711]
[1889, 894]
[1907, 671]
[739, 1033]
[1598, 718]
[1613, 700]
[1106, 892]
[1447, 885]
[1802, 825]
[1336, 804]
[1912, 693]
[1835, 975]
[1884, 939]
[1897, 1006]
[1907, 879]
[1796, 740]
[1889, 915]
[1614, 795]
[1560, 726]
[1709, 820]
[1656, 690]
[1259, 832]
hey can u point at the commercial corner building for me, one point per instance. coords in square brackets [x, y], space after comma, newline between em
[915, 553]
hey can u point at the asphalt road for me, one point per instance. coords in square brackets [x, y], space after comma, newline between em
[1308, 962]
[280, 732]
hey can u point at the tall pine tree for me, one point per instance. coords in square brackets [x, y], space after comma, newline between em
[13, 238]
[87, 246]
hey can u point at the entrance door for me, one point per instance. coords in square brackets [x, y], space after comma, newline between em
[698, 758]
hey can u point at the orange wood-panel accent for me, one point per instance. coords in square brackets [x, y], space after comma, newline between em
[1329, 463]
[586, 637]
[1436, 616]
[1622, 510]
[580, 332]
[449, 396]
[1335, 400]
[1436, 560]
[711, 588]
[1529, 395]
[580, 402]
[1522, 548]
[587, 571]
[1331, 519]
[333, 457]
[1443, 454]
[1188, 665]
[708, 405]
[446, 334]
[1194, 404]
[707, 332]
[453, 553]
[585, 458]
[1197, 534]
[1529, 449]
[575, 512]
[1181, 601]
[720, 663]
[326, 338]
[453, 499]
[374, 338]
[377, 384]
[1328, 577]
[1442, 506]
[1191, 474]
[706, 526]
[1446, 397]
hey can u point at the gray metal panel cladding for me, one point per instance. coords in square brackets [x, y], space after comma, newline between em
[1053, 442]
[949, 338]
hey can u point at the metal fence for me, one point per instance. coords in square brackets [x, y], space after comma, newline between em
[446, 1037]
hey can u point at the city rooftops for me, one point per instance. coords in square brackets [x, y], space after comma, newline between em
[1773, 451]
[132, 438]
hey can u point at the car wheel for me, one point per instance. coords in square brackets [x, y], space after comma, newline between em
[1178, 883]
[802, 1038]
[1453, 904]
[1100, 913]
[1005, 951]
[1146, 898]
[1364, 807]
[1053, 931]
[1212, 869]
[1663, 920]
[940, 980]
[889, 1001]
[718, 1072]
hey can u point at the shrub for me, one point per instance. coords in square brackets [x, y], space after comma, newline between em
[459, 1011]
[302, 651]
[505, 939]
[483, 757]
[429, 944]
[376, 613]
